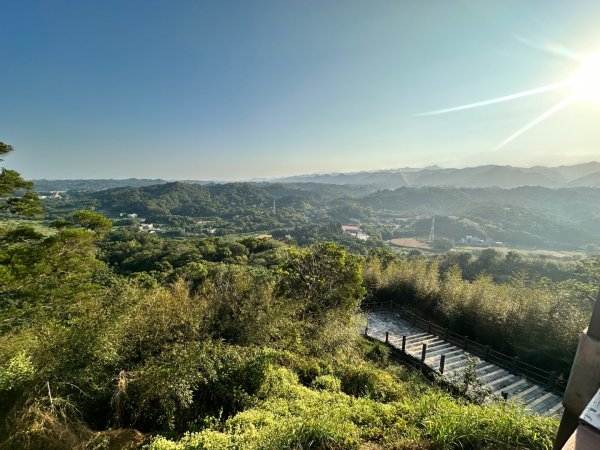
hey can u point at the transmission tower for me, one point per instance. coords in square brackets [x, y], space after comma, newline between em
[432, 231]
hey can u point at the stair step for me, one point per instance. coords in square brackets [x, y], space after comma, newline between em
[554, 409]
[512, 387]
[546, 404]
[416, 336]
[419, 343]
[540, 400]
[439, 351]
[491, 375]
[549, 403]
[521, 394]
[498, 381]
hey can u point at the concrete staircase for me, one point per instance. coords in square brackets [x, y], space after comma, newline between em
[497, 380]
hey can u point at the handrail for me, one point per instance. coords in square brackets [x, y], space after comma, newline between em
[549, 379]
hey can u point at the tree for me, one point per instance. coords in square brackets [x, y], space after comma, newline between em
[11, 181]
[43, 277]
[321, 279]
[92, 221]
[442, 245]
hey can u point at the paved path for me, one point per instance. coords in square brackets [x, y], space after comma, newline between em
[531, 396]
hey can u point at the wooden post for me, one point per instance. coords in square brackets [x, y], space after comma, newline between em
[442, 362]
[487, 353]
[387, 340]
[404, 344]
[551, 381]
[466, 343]
[423, 352]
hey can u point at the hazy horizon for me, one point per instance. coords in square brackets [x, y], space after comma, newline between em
[320, 173]
[237, 90]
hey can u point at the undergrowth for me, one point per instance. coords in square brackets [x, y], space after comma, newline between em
[385, 412]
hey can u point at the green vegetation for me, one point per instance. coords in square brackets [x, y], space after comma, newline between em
[112, 337]
[26, 204]
[295, 416]
[527, 217]
[242, 357]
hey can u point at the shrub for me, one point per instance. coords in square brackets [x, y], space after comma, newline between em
[327, 383]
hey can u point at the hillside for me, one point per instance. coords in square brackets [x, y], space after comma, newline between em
[92, 185]
[527, 217]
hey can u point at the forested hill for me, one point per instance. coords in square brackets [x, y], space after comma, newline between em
[196, 200]
[526, 216]
[181, 199]
[566, 218]
[568, 203]
[92, 185]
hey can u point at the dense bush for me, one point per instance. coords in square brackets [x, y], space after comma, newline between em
[294, 416]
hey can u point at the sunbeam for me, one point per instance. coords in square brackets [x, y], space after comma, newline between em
[564, 103]
[583, 86]
[507, 98]
[552, 49]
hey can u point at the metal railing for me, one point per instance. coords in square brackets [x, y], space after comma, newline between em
[547, 379]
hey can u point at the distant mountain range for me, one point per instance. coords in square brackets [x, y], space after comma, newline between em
[580, 175]
[587, 174]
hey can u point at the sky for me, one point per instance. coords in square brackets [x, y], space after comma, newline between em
[247, 89]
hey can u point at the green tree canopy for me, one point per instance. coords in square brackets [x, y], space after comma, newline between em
[92, 221]
[10, 182]
[322, 278]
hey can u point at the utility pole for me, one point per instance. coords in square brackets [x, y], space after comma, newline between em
[274, 209]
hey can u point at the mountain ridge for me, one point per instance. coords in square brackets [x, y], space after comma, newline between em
[491, 175]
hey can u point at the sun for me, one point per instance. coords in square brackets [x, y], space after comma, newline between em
[585, 84]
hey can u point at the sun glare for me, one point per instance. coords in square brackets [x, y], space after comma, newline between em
[585, 85]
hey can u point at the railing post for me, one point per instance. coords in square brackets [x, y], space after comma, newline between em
[429, 326]
[466, 343]
[487, 353]
[404, 344]
[515, 364]
[551, 381]
[387, 337]
[446, 331]
[559, 383]
[442, 362]
[414, 319]
[423, 352]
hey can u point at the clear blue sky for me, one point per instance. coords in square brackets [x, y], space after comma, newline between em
[241, 89]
